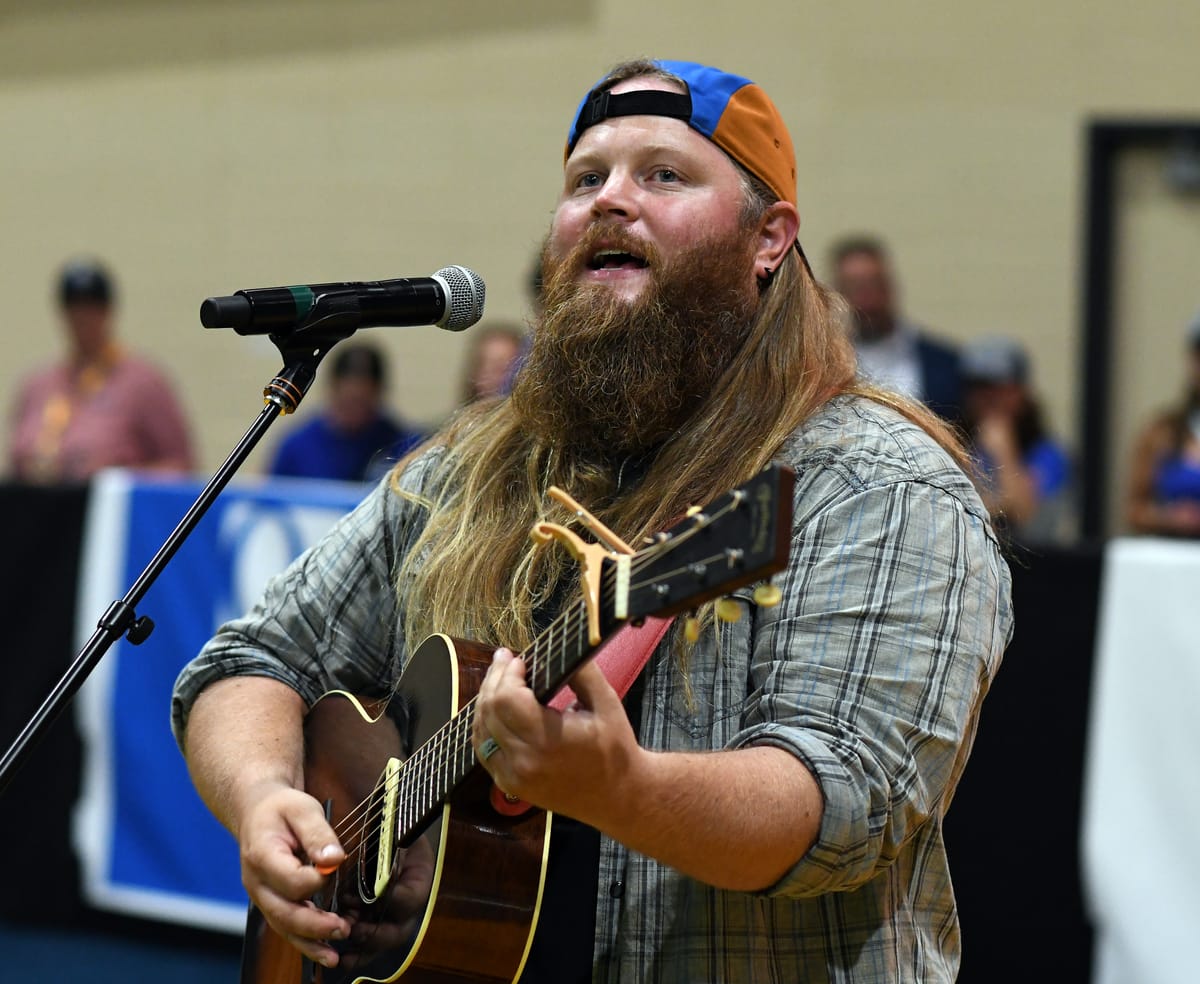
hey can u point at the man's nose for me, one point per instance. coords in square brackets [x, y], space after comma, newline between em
[618, 197]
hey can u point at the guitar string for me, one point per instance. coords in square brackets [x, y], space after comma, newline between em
[427, 762]
[422, 764]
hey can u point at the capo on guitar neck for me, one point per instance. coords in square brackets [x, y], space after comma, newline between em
[599, 530]
[590, 557]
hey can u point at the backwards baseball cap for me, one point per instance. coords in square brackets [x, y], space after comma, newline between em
[84, 282]
[993, 359]
[729, 110]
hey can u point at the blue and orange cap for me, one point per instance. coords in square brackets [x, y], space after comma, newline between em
[729, 110]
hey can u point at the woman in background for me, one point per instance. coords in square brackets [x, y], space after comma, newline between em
[1024, 475]
[495, 351]
[1164, 492]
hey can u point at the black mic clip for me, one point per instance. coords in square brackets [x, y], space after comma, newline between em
[334, 316]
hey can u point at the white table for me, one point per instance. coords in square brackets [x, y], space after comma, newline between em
[1141, 808]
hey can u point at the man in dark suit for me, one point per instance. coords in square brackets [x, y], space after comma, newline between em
[892, 351]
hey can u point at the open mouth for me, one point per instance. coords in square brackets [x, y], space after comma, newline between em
[615, 259]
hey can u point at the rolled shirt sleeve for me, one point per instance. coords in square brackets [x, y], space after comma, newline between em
[873, 668]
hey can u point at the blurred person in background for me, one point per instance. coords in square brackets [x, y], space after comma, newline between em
[355, 438]
[893, 352]
[1164, 490]
[100, 406]
[1024, 474]
[494, 351]
[535, 285]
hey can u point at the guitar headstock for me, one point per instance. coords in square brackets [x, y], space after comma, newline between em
[742, 537]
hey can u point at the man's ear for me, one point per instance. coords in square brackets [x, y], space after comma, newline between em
[778, 229]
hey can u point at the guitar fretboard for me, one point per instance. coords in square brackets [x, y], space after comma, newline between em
[436, 769]
[737, 539]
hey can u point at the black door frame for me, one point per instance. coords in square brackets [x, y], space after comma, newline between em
[1106, 140]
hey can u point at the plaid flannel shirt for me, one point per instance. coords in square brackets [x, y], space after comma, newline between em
[896, 611]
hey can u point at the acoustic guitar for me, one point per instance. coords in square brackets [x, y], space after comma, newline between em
[443, 876]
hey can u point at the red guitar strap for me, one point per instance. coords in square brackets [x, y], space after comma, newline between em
[622, 658]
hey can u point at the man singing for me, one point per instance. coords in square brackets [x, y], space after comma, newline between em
[766, 804]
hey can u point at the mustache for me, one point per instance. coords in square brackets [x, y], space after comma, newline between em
[606, 235]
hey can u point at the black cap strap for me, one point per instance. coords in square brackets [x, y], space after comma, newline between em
[602, 105]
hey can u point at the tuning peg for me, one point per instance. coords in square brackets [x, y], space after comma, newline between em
[729, 610]
[691, 629]
[767, 595]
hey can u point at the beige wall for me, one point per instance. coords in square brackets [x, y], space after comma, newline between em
[203, 147]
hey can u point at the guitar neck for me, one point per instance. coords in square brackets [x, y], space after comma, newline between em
[442, 763]
[741, 537]
[562, 649]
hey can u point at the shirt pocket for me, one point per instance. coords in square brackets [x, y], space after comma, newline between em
[707, 713]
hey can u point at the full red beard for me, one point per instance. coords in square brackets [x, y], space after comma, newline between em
[611, 377]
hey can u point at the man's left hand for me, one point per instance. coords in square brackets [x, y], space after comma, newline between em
[570, 762]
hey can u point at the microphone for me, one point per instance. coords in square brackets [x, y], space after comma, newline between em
[452, 299]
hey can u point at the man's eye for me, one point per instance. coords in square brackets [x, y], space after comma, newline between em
[590, 180]
[666, 174]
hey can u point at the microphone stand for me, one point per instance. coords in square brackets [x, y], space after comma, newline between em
[333, 317]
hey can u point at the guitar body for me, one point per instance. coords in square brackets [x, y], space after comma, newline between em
[460, 902]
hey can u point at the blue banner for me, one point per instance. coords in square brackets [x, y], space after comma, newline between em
[147, 844]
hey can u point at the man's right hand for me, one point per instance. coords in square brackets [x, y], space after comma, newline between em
[284, 838]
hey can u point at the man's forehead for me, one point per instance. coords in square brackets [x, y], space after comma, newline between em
[862, 262]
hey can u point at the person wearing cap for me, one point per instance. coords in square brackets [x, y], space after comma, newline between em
[1164, 487]
[766, 802]
[893, 351]
[101, 406]
[354, 439]
[1024, 474]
